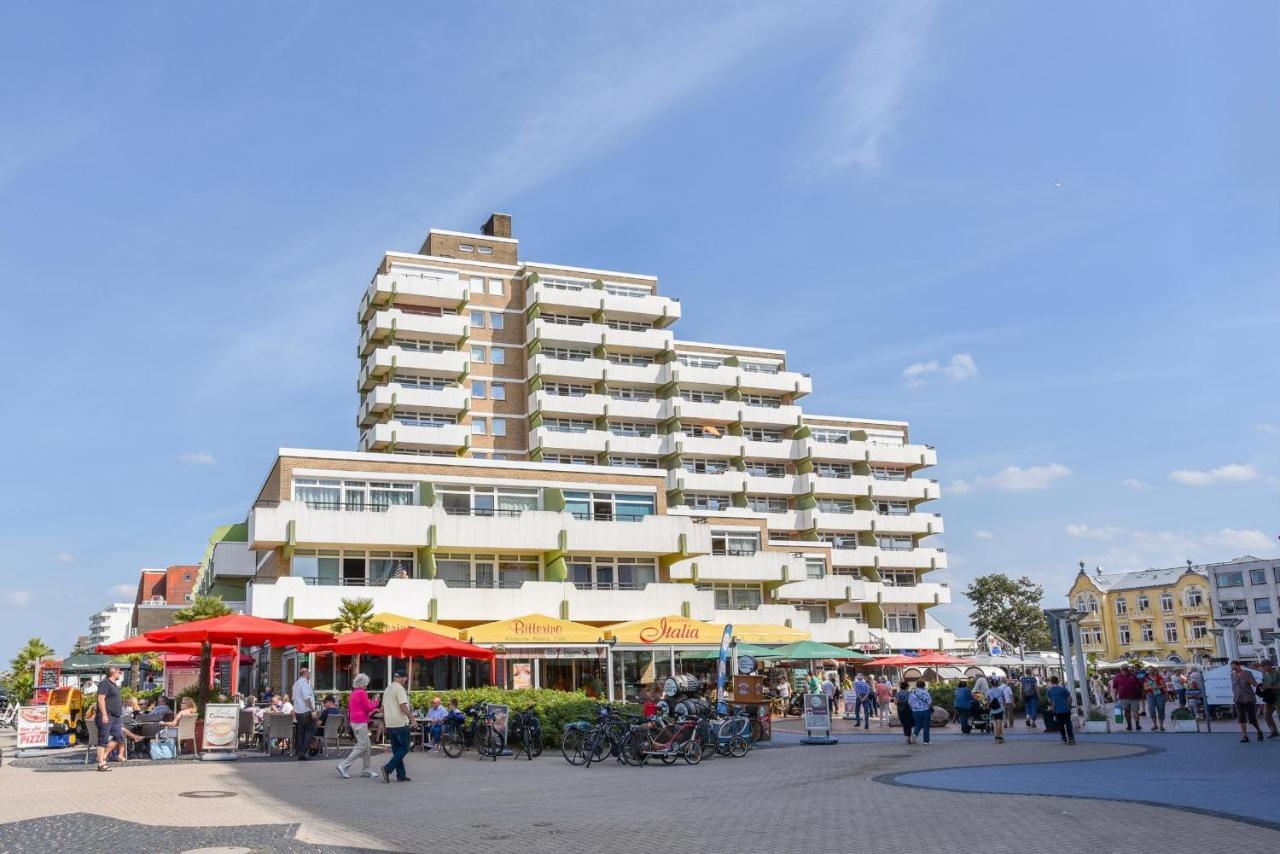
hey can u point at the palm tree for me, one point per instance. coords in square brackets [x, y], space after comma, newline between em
[21, 681]
[204, 608]
[356, 615]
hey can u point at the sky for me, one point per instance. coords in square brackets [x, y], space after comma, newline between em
[1045, 235]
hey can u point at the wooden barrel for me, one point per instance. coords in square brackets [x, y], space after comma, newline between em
[681, 683]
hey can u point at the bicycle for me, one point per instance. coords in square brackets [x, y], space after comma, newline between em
[527, 727]
[475, 729]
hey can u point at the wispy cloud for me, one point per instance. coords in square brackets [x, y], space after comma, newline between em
[17, 598]
[870, 89]
[959, 487]
[1231, 473]
[984, 535]
[199, 458]
[1135, 484]
[1268, 428]
[1016, 478]
[1129, 548]
[958, 368]
[124, 590]
[65, 557]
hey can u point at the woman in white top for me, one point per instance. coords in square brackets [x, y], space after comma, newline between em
[1000, 705]
[285, 706]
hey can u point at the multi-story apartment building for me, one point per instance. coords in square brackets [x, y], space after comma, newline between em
[111, 624]
[161, 593]
[1152, 613]
[534, 439]
[1248, 589]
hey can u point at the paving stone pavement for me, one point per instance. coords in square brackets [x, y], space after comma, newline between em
[771, 800]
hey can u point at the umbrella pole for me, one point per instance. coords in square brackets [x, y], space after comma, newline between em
[235, 670]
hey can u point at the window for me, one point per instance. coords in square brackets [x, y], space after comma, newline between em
[633, 462]
[1229, 579]
[1125, 637]
[829, 435]
[901, 578]
[630, 291]
[1143, 602]
[566, 354]
[425, 419]
[838, 539]
[609, 506]
[462, 500]
[477, 319]
[495, 287]
[735, 542]
[1170, 631]
[629, 359]
[901, 619]
[1275, 571]
[758, 468]
[735, 597]
[697, 395]
[1199, 629]
[1231, 607]
[350, 568]
[475, 284]
[1195, 597]
[759, 367]
[631, 428]
[760, 434]
[814, 567]
[498, 391]
[423, 346]
[767, 503]
[704, 431]
[835, 505]
[1092, 636]
[629, 393]
[484, 250]
[1122, 605]
[478, 388]
[1148, 633]
[1166, 601]
[567, 425]
[479, 426]
[607, 573]
[1082, 605]
[707, 501]
[428, 383]
[895, 543]
[704, 465]
[1262, 606]
[888, 473]
[628, 325]
[496, 320]
[566, 389]
[466, 247]
[893, 508]
[333, 494]
[499, 427]
[486, 571]
[1257, 576]
[569, 459]
[763, 400]
[478, 353]
[564, 319]
[697, 360]
[843, 471]
[1244, 636]
[498, 356]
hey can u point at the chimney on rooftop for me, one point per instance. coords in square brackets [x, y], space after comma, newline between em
[498, 225]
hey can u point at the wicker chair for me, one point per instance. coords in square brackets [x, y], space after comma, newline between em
[187, 732]
[276, 727]
[91, 741]
[335, 728]
[247, 728]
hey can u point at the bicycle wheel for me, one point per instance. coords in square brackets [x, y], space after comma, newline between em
[489, 743]
[451, 744]
[633, 751]
[738, 747]
[692, 752]
[573, 746]
[533, 746]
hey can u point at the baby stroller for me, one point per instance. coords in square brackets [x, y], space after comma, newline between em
[979, 716]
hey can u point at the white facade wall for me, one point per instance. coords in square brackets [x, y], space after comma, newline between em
[111, 624]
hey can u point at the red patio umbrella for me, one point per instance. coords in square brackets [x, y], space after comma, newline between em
[410, 642]
[143, 644]
[239, 629]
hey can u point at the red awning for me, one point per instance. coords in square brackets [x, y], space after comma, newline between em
[242, 629]
[409, 642]
[143, 644]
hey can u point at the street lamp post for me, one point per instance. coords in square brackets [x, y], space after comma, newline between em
[1074, 618]
[1229, 639]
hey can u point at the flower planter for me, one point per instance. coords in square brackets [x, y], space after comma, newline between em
[1186, 726]
[1097, 726]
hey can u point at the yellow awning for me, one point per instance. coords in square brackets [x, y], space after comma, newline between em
[765, 633]
[667, 631]
[398, 621]
[534, 628]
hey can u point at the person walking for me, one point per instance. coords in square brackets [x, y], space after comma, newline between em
[359, 707]
[110, 708]
[1030, 697]
[884, 696]
[304, 707]
[1000, 705]
[963, 700]
[1155, 687]
[831, 690]
[1243, 688]
[1269, 692]
[397, 714]
[903, 701]
[1127, 689]
[921, 704]
[861, 710]
[1060, 707]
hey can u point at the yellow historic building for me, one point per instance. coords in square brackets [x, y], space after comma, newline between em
[1152, 613]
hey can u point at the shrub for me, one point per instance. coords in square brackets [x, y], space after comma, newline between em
[1181, 714]
[944, 694]
[1097, 714]
[194, 693]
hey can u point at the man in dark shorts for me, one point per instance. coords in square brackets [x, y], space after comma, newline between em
[110, 708]
[1243, 686]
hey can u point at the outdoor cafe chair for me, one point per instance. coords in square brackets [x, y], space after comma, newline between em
[248, 733]
[187, 732]
[91, 741]
[334, 727]
[276, 727]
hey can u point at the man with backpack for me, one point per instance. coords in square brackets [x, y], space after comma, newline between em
[1030, 697]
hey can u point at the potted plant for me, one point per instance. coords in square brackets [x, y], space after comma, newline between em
[1184, 720]
[1097, 721]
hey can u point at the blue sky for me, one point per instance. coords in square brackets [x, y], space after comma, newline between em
[1047, 237]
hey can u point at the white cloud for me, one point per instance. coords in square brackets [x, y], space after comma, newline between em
[959, 487]
[1017, 479]
[984, 535]
[1231, 473]
[1248, 540]
[1128, 549]
[64, 557]
[199, 458]
[958, 368]
[1135, 484]
[1104, 533]
[1268, 428]
[870, 89]
[17, 598]
[124, 590]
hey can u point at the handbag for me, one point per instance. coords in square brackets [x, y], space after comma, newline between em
[163, 748]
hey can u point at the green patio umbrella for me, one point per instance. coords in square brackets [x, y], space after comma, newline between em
[750, 649]
[813, 650]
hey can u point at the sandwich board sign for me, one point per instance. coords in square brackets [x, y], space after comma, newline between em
[221, 731]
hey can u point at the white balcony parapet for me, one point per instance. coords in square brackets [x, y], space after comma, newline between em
[656, 409]
[913, 488]
[588, 441]
[771, 416]
[436, 287]
[569, 369]
[843, 588]
[840, 631]
[785, 485]
[384, 397]
[926, 593]
[760, 566]
[443, 437]
[840, 451]
[724, 411]
[910, 455]
[655, 445]
[587, 405]
[787, 449]
[445, 362]
[448, 327]
[697, 446]
[651, 375]
[729, 480]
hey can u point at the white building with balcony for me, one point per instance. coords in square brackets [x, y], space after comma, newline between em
[111, 624]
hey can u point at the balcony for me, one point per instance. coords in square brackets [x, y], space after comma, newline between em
[926, 593]
[650, 535]
[849, 487]
[650, 375]
[770, 416]
[854, 452]
[448, 363]
[926, 638]
[586, 334]
[386, 397]
[919, 558]
[759, 566]
[783, 382]
[401, 526]
[646, 340]
[723, 377]
[829, 520]
[552, 298]
[586, 370]
[913, 488]
[446, 437]
[584, 406]
[729, 480]
[861, 556]
[909, 523]
[840, 631]
[656, 445]
[916, 456]
[655, 409]
[786, 485]
[645, 307]
[437, 287]
[841, 588]
[724, 411]
[384, 322]
[787, 449]
[699, 446]
[787, 520]
[586, 442]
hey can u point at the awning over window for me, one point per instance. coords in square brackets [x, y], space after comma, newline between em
[535, 629]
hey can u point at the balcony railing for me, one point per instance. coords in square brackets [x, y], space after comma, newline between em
[313, 581]
[484, 511]
[732, 552]
[602, 516]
